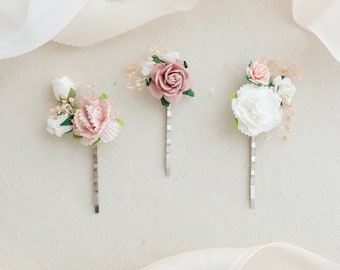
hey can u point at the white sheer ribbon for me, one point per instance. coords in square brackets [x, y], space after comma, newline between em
[28, 24]
[273, 256]
[322, 17]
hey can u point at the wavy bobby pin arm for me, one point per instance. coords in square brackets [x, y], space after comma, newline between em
[95, 180]
[91, 119]
[252, 171]
[168, 141]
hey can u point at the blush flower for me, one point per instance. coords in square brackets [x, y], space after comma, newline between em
[257, 109]
[258, 73]
[169, 81]
[94, 120]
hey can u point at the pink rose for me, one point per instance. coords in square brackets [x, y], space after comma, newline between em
[169, 80]
[258, 73]
[95, 119]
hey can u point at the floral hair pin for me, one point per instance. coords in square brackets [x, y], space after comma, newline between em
[166, 76]
[262, 104]
[91, 120]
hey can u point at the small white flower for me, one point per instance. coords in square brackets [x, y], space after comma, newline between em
[257, 109]
[54, 127]
[61, 87]
[147, 68]
[171, 56]
[284, 88]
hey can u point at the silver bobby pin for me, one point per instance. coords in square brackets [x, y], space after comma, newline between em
[168, 141]
[252, 172]
[95, 180]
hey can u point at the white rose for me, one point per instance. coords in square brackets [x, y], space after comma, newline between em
[54, 127]
[171, 56]
[257, 109]
[147, 68]
[61, 87]
[284, 88]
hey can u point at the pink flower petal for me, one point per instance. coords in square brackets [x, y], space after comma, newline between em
[155, 91]
[110, 132]
[173, 99]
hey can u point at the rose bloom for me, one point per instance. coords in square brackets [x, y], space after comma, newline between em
[257, 109]
[284, 88]
[169, 80]
[95, 118]
[258, 73]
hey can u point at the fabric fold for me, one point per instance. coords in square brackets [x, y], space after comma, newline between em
[27, 24]
[321, 17]
[272, 256]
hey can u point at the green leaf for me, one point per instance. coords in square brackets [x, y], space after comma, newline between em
[283, 76]
[95, 143]
[246, 77]
[120, 122]
[75, 106]
[71, 94]
[189, 93]
[157, 60]
[104, 96]
[185, 64]
[233, 95]
[67, 121]
[251, 61]
[148, 81]
[77, 136]
[236, 123]
[165, 102]
[270, 83]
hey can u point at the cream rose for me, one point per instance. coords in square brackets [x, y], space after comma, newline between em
[258, 73]
[61, 87]
[284, 88]
[257, 109]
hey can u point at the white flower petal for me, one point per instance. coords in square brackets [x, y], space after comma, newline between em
[60, 131]
[284, 88]
[147, 68]
[61, 87]
[257, 109]
[53, 125]
[171, 56]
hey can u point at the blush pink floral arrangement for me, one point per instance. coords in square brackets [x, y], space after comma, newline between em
[91, 119]
[167, 77]
[165, 74]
